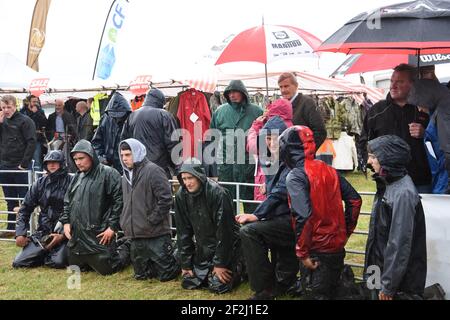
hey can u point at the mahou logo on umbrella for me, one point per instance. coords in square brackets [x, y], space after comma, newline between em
[280, 35]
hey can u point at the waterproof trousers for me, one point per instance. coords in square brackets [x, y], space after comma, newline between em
[203, 278]
[113, 259]
[154, 258]
[34, 255]
[322, 283]
[278, 236]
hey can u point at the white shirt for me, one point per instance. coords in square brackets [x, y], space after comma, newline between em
[294, 97]
[346, 156]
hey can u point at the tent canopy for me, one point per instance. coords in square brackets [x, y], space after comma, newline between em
[202, 77]
[15, 74]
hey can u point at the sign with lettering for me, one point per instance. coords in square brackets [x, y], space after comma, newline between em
[38, 86]
[140, 85]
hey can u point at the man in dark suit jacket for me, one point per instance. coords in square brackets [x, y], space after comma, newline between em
[304, 108]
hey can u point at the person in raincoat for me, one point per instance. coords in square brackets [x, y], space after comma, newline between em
[322, 225]
[397, 238]
[145, 217]
[156, 129]
[48, 244]
[107, 136]
[430, 94]
[281, 108]
[233, 120]
[269, 227]
[92, 207]
[204, 210]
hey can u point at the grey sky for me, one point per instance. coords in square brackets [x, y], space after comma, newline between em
[162, 35]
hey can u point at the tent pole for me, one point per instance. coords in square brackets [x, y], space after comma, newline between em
[418, 64]
[265, 69]
[267, 81]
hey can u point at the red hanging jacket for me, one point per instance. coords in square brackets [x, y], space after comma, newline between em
[193, 110]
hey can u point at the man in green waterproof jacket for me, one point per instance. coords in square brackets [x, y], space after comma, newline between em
[92, 207]
[237, 114]
[204, 211]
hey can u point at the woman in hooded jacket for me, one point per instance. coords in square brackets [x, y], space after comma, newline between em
[281, 108]
[48, 244]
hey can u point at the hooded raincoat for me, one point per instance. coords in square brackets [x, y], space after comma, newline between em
[93, 203]
[228, 119]
[321, 224]
[282, 109]
[147, 196]
[146, 217]
[397, 237]
[155, 128]
[107, 136]
[47, 193]
[316, 192]
[208, 216]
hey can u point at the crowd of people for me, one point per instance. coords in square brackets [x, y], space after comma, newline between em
[307, 213]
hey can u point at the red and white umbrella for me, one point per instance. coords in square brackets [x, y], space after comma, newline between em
[269, 43]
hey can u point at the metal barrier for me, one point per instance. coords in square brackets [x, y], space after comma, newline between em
[238, 202]
[33, 176]
[7, 212]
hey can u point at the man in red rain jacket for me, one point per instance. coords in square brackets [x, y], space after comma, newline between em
[321, 224]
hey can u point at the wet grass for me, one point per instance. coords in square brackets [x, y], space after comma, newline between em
[50, 284]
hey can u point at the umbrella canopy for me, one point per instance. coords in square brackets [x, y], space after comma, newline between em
[369, 62]
[268, 43]
[416, 27]
[360, 63]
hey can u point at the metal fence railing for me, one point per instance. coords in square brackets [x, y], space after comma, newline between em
[5, 220]
[238, 200]
[33, 176]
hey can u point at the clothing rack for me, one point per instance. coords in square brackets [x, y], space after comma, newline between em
[324, 92]
[337, 93]
[163, 85]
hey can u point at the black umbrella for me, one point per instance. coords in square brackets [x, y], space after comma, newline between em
[360, 63]
[418, 27]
